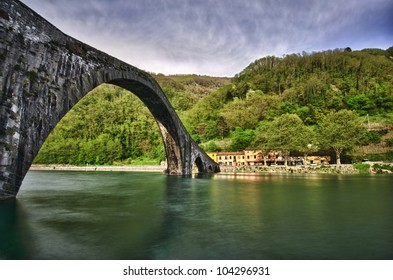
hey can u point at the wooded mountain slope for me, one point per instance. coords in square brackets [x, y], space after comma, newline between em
[110, 125]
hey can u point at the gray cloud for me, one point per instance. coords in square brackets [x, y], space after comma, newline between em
[217, 37]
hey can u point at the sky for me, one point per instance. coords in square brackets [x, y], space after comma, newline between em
[218, 37]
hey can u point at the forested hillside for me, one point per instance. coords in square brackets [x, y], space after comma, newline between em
[110, 125]
[308, 85]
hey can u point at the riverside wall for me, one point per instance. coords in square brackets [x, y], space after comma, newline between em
[135, 168]
[300, 169]
[327, 169]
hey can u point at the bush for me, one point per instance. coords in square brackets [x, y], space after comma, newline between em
[362, 104]
[374, 137]
[379, 168]
[212, 147]
[362, 168]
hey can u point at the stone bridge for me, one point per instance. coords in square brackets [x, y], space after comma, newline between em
[44, 73]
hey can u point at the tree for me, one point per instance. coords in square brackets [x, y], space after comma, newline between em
[362, 104]
[212, 147]
[261, 140]
[285, 133]
[308, 142]
[241, 139]
[239, 114]
[201, 121]
[341, 131]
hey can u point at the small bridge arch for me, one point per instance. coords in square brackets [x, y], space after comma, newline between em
[44, 73]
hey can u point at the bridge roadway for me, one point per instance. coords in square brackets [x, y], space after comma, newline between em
[44, 73]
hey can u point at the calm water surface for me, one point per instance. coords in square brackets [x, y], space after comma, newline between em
[113, 215]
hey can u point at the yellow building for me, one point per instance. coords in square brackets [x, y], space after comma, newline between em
[256, 157]
[212, 155]
[253, 157]
[229, 158]
[247, 157]
[318, 160]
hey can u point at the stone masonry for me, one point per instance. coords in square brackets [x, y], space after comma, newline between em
[44, 73]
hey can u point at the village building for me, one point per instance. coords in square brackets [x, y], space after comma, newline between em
[247, 157]
[228, 158]
[318, 160]
[257, 157]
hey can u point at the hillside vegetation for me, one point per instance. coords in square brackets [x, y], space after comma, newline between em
[111, 125]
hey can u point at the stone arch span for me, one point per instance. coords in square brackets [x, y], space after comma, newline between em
[44, 73]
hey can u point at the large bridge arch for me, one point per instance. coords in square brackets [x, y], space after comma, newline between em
[44, 73]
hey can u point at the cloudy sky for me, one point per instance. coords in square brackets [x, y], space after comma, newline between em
[218, 37]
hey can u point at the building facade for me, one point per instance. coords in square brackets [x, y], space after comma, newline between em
[257, 157]
[247, 157]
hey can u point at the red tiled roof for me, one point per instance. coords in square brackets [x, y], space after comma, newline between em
[230, 153]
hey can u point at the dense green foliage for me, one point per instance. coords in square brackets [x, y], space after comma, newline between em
[274, 99]
[107, 126]
[184, 91]
[285, 133]
[111, 125]
[309, 85]
[341, 131]
[362, 168]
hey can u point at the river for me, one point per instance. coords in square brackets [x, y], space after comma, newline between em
[128, 215]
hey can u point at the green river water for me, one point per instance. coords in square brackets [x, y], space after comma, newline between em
[119, 215]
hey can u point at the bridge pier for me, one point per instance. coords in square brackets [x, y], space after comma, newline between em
[44, 73]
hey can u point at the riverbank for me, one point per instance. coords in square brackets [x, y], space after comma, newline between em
[328, 169]
[124, 168]
[299, 169]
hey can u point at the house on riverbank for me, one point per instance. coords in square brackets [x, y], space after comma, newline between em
[246, 157]
[258, 157]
